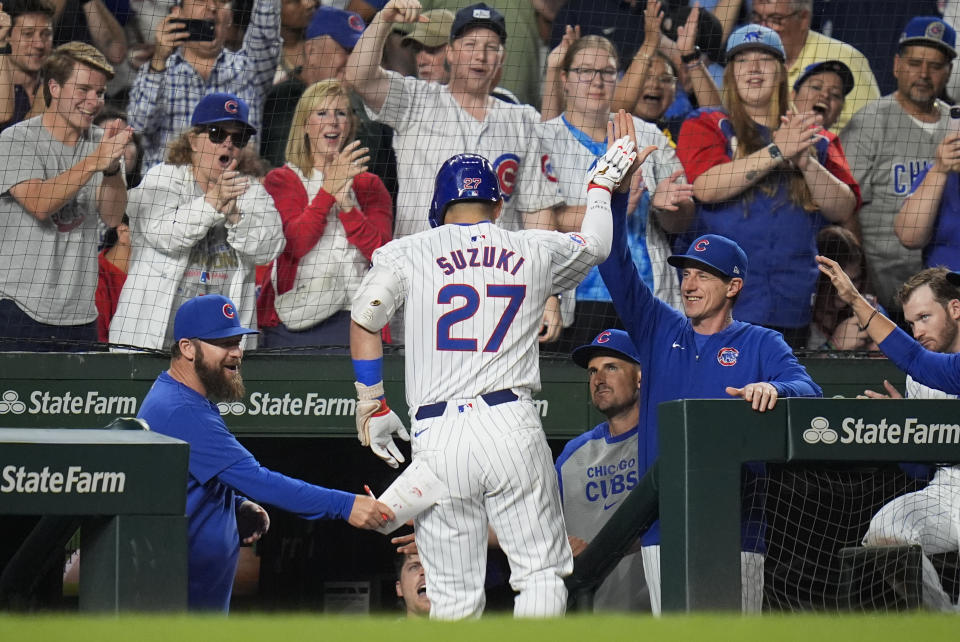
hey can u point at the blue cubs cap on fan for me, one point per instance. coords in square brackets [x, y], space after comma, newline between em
[929, 31]
[716, 252]
[208, 317]
[615, 342]
[221, 107]
[755, 37]
[464, 177]
[837, 67]
[479, 15]
[345, 27]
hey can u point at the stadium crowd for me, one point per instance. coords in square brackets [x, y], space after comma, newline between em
[154, 151]
[332, 120]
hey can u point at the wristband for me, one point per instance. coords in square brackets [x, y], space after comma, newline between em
[369, 371]
[863, 328]
[114, 172]
[591, 186]
[690, 57]
[774, 152]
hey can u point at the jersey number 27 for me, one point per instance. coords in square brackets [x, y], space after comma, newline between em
[446, 295]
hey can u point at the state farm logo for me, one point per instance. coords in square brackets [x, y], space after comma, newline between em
[10, 402]
[231, 408]
[820, 432]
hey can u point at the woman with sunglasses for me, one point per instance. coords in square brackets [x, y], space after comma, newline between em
[335, 214]
[198, 226]
[582, 71]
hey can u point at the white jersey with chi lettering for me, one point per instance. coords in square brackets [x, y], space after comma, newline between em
[430, 127]
[474, 298]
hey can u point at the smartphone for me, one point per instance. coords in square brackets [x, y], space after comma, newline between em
[954, 124]
[202, 30]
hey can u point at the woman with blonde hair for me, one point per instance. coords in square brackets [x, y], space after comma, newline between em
[335, 214]
[583, 73]
[198, 226]
[767, 178]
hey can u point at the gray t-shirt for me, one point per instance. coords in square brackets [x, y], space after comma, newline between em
[596, 473]
[48, 268]
[887, 149]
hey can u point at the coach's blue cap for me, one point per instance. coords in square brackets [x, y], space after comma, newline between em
[208, 317]
[716, 252]
[479, 15]
[616, 342]
[755, 37]
[221, 107]
[345, 27]
[837, 67]
[929, 31]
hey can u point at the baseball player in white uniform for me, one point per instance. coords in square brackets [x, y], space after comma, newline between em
[474, 295]
[931, 516]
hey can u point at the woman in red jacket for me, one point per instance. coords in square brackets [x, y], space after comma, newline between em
[335, 214]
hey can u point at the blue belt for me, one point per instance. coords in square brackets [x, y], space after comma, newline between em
[494, 398]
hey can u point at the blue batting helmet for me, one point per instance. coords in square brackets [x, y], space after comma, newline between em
[464, 177]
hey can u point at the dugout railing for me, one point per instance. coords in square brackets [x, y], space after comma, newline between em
[704, 445]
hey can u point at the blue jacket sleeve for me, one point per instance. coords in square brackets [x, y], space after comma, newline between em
[640, 311]
[933, 369]
[784, 371]
[265, 486]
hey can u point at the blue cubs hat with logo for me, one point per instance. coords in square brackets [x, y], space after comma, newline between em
[929, 31]
[208, 317]
[345, 27]
[837, 67]
[716, 252]
[615, 342]
[479, 15]
[755, 37]
[221, 107]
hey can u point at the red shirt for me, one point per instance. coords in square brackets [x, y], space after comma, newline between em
[368, 226]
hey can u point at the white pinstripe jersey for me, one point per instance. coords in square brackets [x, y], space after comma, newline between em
[430, 127]
[474, 298]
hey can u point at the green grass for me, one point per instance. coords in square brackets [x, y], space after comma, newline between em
[297, 627]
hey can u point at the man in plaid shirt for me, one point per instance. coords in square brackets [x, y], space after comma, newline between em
[183, 71]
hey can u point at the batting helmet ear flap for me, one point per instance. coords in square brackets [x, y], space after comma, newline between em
[464, 177]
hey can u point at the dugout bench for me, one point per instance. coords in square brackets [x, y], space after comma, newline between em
[127, 489]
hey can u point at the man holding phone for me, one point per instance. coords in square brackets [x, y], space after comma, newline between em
[190, 61]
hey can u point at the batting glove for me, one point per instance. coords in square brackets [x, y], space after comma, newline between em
[610, 168]
[376, 424]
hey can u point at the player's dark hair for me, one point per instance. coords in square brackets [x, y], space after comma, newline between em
[936, 277]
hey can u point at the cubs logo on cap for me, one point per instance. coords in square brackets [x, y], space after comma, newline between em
[345, 27]
[613, 342]
[929, 31]
[208, 317]
[221, 107]
[715, 252]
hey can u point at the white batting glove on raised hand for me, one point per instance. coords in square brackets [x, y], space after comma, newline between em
[376, 424]
[610, 168]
